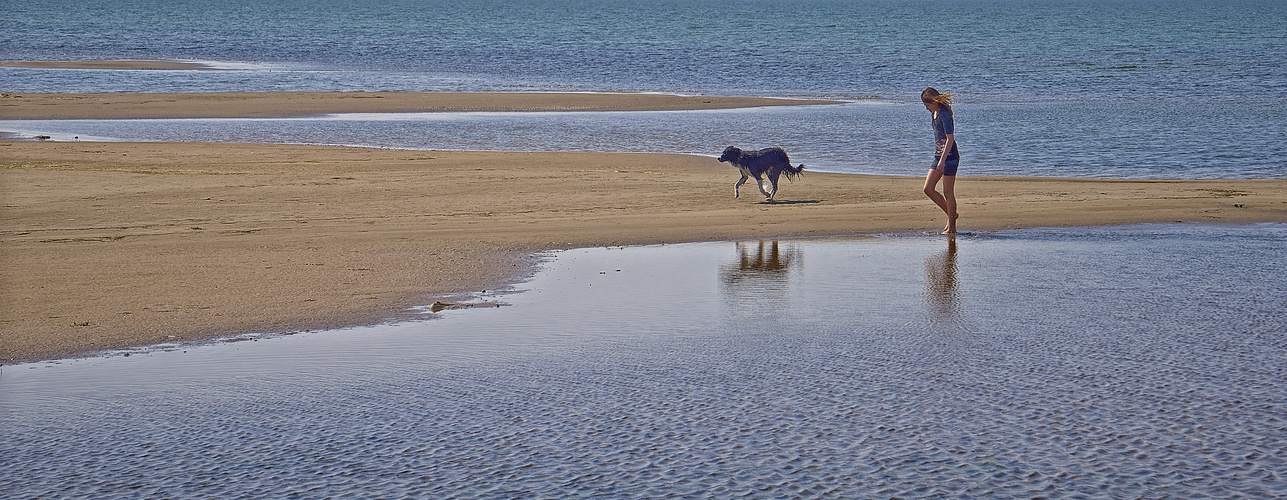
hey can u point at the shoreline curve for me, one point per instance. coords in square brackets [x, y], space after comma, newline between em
[147, 243]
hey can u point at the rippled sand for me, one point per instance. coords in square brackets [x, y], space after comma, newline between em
[1122, 363]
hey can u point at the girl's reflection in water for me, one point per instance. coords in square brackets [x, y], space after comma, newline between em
[940, 284]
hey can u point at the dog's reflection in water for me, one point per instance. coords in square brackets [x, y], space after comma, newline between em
[760, 258]
[758, 279]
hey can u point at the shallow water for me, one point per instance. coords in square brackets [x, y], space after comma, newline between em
[1143, 361]
[1103, 140]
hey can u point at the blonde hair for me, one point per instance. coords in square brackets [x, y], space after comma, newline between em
[930, 94]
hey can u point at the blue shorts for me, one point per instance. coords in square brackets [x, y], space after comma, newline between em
[949, 166]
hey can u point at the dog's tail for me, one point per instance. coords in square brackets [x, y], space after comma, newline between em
[793, 172]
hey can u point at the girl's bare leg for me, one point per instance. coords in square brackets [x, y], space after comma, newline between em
[949, 197]
[946, 201]
[931, 181]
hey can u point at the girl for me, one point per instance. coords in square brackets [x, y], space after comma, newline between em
[946, 157]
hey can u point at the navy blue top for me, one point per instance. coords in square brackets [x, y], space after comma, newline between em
[943, 125]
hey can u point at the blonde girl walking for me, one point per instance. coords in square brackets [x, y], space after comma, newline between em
[946, 157]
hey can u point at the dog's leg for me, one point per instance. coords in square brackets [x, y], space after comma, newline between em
[773, 179]
[760, 184]
[738, 185]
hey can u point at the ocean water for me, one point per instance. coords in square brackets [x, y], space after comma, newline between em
[1145, 361]
[1133, 362]
[1100, 88]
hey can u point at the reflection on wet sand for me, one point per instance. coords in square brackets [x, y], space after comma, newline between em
[940, 284]
[760, 275]
[760, 261]
[690, 374]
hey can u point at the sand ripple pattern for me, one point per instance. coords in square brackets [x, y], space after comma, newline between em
[1069, 365]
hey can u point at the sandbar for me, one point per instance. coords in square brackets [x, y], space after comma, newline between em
[38, 106]
[108, 245]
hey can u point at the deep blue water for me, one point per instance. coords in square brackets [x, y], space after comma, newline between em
[1136, 89]
[1136, 362]
[989, 50]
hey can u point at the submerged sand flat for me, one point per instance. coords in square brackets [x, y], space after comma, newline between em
[28, 106]
[115, 244]
[127, 64]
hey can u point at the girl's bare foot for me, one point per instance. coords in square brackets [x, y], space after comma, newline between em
[951, 224]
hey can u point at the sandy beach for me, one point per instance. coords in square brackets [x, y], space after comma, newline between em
[108, 245]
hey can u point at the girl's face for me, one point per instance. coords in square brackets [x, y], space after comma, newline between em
[932, 106]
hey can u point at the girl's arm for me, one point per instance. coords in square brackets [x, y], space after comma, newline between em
[947, 147]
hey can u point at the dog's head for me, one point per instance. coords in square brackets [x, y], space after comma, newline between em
[731, 154]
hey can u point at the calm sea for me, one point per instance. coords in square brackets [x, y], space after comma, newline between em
[1127, 362]
[1100, 88]
[1137, 362]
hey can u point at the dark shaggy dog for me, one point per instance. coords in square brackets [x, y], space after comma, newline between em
[771, 161]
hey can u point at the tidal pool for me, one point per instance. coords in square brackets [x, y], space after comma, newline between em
[1141, 361]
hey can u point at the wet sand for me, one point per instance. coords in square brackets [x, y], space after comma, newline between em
[108, 245]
